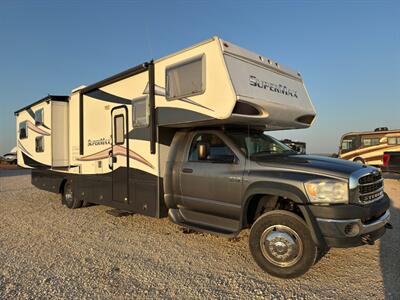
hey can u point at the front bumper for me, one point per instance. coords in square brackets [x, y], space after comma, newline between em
[369, 220]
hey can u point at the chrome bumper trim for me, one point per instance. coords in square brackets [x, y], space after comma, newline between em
[364, 227]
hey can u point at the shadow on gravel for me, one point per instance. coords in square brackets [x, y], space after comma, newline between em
[390, 256]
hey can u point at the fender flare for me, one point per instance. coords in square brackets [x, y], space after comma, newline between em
[287, 191]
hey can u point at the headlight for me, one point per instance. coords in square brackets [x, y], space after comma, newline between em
[327, 191]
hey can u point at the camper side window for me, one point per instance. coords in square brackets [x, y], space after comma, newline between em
[370, 142]
[39, 117]
[140, 112]
[393, 141]
[39, 144]
[186, 78]
[119, 130]
[23, 130]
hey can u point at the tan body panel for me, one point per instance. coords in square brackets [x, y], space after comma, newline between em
[215, 105]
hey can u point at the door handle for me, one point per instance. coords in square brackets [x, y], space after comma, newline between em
[187, 170]
[235, 179]
[111, 160]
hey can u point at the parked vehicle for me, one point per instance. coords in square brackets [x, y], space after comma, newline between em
[297, 146]
[391, 162]
[191, 145]
[10, 158]
[368, 147]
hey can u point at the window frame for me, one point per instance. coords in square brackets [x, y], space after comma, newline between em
[236, 159]
[147, 99]
[37, 123]
[37, 150]
[201, 57]
[115, 128]
[26, 130]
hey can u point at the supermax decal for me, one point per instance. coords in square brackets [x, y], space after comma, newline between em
[273, 87]
[102, 141]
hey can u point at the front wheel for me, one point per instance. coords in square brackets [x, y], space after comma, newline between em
[281, 244]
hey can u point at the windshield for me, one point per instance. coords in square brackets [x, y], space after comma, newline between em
[256, 143]
[350, 143]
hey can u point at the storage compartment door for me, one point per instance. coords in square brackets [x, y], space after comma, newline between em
[59, 125]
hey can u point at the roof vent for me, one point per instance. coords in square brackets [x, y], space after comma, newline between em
[381, 129]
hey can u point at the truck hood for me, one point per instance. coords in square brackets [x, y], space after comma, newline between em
[311, 164]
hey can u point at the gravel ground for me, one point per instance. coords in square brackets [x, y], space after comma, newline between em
[49, 251]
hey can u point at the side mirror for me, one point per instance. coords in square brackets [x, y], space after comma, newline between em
[202, 151]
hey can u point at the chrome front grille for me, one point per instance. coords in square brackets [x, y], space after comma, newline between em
[370, 187]
[370, 178]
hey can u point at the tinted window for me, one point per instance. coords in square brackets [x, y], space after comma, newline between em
[39, 117]
[23, 130]
[256, 143]
[217, 150]
[392, 141]
[350, 143]
[39, 144]
[370, 141]
[119, 130]
[140, 112]
[185, 79]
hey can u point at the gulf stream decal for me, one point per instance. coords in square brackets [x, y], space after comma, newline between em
[36, 129]
[117, 150]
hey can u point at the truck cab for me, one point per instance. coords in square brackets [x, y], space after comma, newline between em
[224, 180]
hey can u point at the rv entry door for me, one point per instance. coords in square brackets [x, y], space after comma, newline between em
[119, 154]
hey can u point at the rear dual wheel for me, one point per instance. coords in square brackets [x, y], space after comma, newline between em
[68, 197]
[281, 244]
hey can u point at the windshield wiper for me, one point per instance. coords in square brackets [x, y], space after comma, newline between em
[267, 152]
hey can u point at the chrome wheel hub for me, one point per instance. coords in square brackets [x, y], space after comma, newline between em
[281, 245]
[68, 196]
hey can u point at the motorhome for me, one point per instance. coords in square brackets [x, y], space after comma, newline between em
[184, 136]
[368, 147]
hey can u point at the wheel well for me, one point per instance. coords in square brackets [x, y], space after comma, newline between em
[262, 203]
[62, 185]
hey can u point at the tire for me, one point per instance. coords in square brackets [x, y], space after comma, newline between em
[68, 197]
[359, 160]
[285, 228]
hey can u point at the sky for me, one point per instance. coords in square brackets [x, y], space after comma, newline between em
[348, 52]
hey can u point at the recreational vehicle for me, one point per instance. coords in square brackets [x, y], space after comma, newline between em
[184, 137]
[368, 147]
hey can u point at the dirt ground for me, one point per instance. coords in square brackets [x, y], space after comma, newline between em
[7, 166]
[49, 251]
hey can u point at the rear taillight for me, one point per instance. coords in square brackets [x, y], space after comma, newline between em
[386, 158]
